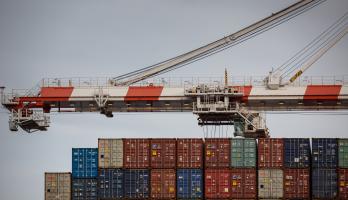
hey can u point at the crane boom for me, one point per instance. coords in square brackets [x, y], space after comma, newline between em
[214, 47]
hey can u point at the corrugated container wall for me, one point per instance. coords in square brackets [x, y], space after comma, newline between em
[243, 153]
[244, 184]
[343, 183]
[136, 153]
[217, 184]
[270, 183]
[296, 184]
[270, 151]
[324, 183]
[297, 152]
[189, 153]
[84, 189]
[217, 153]
[57, 186]
[136, 183]
[343, 153]
[163, 183]
[84, 162]
[324, 153]
[110, 153]
[189, 184]
[110, 183]
[163, 153]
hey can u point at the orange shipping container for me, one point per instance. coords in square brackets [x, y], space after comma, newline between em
[244, 184]
[217, 184]
[296, 184]
[190, 153]
[217, 153]
[163, 153]
[270, 152]
[136, 153]
[163, 182]
[343, 183]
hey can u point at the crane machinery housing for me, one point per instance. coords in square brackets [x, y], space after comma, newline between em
[215, 101]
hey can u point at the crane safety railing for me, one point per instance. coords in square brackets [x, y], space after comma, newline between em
[182, 82]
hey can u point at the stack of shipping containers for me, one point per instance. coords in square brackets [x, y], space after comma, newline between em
[189, 169]
[163, 168]
[243, 169]
[58, 186]
[343, 168]
[217, 171]
[110, 163]
[324, 168]
[84, 173]
[297, 152]
[136, 162]
[270, 164]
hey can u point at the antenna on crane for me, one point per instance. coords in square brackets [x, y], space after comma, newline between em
[226, 78]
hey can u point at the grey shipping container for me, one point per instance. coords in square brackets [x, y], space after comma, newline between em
[343, 153]
[110, 183]
[243, 153]
[270, 183]
[297, 152]
[324, 183]
[58, 186]
[324, 153]
[84, 189]
[110, 153]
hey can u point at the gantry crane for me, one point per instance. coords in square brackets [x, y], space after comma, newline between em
[227, 101]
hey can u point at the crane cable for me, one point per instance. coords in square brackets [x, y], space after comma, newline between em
[226, 46]
[217, 49]
[316, 45]
[312, 43]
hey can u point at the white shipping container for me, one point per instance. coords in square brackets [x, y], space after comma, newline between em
[110, 153]
[270, 183]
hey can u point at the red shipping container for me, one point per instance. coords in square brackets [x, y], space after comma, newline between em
[217, 153]
[270, 152]
[190, 153]
[163, 182]
[136, 153]
[163, 153]
[296, 184]
[217, 184]
[244, 184]
[343, 183]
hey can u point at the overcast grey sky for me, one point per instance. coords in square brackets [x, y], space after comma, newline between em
[66, 38]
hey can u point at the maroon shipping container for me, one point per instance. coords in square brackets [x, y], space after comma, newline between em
[270, 152]
[343, 183]
[163, 153]
[244, 184]
[136, 153]
[296, 184]
[163, 182]
[217, 184]
[217, 153]
[189, 153]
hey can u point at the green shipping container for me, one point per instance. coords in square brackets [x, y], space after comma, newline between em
[343, 153]
[243, 153]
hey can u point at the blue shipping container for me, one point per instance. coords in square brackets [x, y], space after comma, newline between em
[136, 183]
[189, 184]
[85, 162]
[84, 189]
[324, 152]
[324, 183]
[297, 152]
[110, 183]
